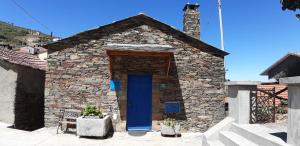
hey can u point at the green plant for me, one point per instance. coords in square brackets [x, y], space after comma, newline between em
[281, 110]
[169, 122]
[91, 110]
[265, 110]
[284, 102]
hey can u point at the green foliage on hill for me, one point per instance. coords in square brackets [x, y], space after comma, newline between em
[17, 36]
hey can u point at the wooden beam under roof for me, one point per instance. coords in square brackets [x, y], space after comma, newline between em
[166, 55]
[138, 53]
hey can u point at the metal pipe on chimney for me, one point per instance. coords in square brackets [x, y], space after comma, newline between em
[221, 25]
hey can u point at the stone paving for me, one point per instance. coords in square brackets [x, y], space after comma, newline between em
[48, 137]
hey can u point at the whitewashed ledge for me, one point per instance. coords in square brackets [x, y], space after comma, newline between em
[290, 80]
[140, 45]
[144, 47]
[242, 83]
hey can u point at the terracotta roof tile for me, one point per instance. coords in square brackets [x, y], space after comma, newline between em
[22, 59]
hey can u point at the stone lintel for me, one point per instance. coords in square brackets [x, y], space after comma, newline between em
[141, 47]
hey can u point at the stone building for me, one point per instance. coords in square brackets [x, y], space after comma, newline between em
[287, 66]
[140, 71]
[22, 84]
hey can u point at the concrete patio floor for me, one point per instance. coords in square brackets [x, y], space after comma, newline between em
[48, 137]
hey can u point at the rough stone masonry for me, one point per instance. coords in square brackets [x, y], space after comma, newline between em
[79, 71]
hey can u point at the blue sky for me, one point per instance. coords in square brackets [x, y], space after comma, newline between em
[257, 32]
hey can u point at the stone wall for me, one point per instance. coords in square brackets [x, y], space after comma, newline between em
[80, 75]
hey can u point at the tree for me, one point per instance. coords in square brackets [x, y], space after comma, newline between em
[292, 5]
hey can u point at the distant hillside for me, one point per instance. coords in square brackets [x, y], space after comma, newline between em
[16, 36]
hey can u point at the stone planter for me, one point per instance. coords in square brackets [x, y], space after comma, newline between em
[170, 130]
[177, 130]
[92, 126]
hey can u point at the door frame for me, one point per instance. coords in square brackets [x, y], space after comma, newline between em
[127, 107]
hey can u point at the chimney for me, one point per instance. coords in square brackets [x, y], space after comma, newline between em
[191, 20]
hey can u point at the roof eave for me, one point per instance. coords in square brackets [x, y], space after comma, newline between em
[140, 18]
[266, 72]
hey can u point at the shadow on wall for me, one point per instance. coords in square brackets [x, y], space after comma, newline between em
[164, 87]
[173, 92]
[29, 100]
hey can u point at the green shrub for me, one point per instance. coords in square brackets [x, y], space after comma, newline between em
[91, 110]
[281, 110]
[265, 110]
[284, 102]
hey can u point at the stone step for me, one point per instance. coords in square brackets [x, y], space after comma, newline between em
[230, 138]
[258, 135]
[214, 143]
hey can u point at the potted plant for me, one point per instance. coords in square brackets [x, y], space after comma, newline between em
[170, 127]
[92, 112]
[93, 123]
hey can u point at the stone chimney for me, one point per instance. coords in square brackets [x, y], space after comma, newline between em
[191, 20]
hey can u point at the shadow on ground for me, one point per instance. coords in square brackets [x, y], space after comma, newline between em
[137, 133]
[281, 135]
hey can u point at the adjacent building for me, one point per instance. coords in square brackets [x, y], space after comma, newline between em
[287, 66]
[22, 84]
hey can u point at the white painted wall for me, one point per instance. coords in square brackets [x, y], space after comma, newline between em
[239, 106]
[8, 80]
[239, 100]
[43, 56]
[293, 130]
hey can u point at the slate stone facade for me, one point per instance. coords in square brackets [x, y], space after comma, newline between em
[79, 72]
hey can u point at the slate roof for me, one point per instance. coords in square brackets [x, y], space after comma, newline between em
[132, 22]
[22, 59]
[266, 72]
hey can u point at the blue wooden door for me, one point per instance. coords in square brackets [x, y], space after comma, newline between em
[139, 102]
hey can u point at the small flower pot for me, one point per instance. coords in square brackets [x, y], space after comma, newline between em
[170, 131]
[167, 130]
